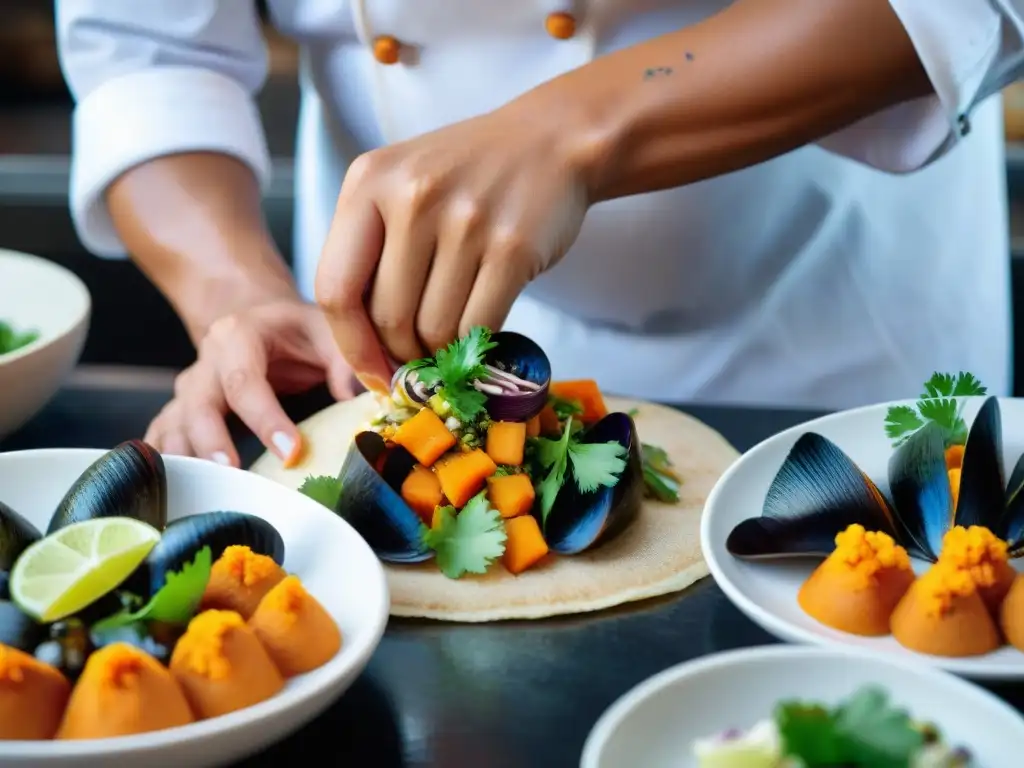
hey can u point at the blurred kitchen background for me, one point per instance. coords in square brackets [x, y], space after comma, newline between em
[132, 324]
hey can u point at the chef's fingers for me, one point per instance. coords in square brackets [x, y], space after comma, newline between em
[347, 265]
[398, 284]
[340, 380]
[165, 432]
[503, 274]
[203, 406]
[241, 359]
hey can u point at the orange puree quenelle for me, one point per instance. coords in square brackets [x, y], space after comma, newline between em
[222, 666]
[1011, 614]
[32, 696]
[123, 691]
[296, 630]
[858, 586]
[943, 614]
[239, 580]
[980, 553]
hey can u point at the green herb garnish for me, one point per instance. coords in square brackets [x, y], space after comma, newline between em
[865, 731]
[175, 603]
[456, 368]
[322, 488]
[12, 339]
[593, 465]
[467, 541]
[661, 481]
[563, 408]
[935, 404]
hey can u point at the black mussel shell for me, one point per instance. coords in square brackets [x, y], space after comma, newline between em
[184, 537]
[1013, 516]
[371, 503]
[16, 534]
[816, 494]
[981, 500]
[919, 484]
[580, 521]
[523, 359]
[17, 630]
[128, 481]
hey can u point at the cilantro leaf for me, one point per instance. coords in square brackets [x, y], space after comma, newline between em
[565, 408]
[455, 368]
[467, 541]
[900, 421]
[323, 488]
[552, 455]
[935, 404]
[968, 385]
[808, 733]
[661, 481]
[596, 464]
[177, 600]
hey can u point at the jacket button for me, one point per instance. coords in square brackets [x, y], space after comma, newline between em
[386, 49]
[560, 26]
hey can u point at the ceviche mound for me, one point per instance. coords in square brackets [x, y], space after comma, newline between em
[864, 731]
[948, 505]
[115, 622]
[491, 492]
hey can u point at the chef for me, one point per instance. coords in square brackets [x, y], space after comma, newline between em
[786, 202]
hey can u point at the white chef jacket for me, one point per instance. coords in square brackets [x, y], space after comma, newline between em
[838, 274]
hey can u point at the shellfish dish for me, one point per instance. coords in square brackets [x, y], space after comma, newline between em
[477, 457]
[115, 622]
[864, 731]
[924, 554]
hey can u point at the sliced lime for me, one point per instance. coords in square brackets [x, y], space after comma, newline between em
[78, 564]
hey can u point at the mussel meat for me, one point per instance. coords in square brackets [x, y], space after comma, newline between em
[18, 630]
[16, 534]
[372, 504]
[183, 538]
[517, 380]
[580, 521]
[817, 493]
[128, 481]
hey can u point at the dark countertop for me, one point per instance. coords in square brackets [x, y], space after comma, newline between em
[502, 695]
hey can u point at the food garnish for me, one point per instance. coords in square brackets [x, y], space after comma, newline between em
[661, 481]
[936, 405]
[467, 541]
[455, 369]
[322, 488]
[12, 339]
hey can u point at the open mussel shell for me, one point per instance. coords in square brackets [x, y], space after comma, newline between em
[16, 533]
[371, 503]
[518, 379]
[981, 500]
[816, 494]
[128, 481]
[1013, 515]
[921, 494]
[580, 521]
[185, 537]
[18, 630]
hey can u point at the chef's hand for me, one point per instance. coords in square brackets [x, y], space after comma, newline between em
[442, 232]
[245, 360]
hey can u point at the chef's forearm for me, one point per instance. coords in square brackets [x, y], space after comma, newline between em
[758, 79]
[194, 224]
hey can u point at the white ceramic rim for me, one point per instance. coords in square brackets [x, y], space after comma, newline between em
[72, 279]
[966, 692]
[243, 719]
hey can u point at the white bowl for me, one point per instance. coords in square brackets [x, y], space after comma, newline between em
[766, 591]
[331, 559]
[36, 294]
[655, 724]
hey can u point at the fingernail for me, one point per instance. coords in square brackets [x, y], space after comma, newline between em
[284, 443]
[373, 383]
[221, 458]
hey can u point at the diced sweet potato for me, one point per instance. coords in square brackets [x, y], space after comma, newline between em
[506, 441]
[511, 495]
[533, 427]
[462, 475]
[584, 392]
[548, 419]
[525, 545]
[425, 436]
[422, 492]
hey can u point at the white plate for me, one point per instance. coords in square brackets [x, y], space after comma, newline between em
[655, 724]
[766, 592]
[331, 559]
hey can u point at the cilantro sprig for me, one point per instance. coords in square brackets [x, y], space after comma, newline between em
[935, 404]
[661, 480]
[593, 465]
[322, 488]
[175, 603]
[563, 408]
[865, 730]
[467, 541]
[455, 368]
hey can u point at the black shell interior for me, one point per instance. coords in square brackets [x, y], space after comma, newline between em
[18, 630]
[520, 356]
[16, 534]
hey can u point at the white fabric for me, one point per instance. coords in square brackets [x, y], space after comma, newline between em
[836, 275]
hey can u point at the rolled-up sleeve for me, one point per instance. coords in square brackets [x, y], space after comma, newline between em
[970, 49]
[156, 78]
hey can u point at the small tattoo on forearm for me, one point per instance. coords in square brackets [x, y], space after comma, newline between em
[653, 72]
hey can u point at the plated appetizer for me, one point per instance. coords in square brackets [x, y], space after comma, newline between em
[944, 503]
[865, 731]
[115, 622]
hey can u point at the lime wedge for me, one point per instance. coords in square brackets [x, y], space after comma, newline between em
[78, 564]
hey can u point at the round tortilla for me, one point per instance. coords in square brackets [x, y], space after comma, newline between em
[658, 554]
